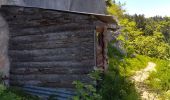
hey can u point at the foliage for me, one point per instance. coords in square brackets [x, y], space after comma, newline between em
[160, 80]
[115, 84]
[153, 46]
[134, 64]
[14, 94]
[136, 41]
[143, 40]
[115, 9]
[88, 91]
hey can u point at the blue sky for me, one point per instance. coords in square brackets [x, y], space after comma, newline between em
[147, 7]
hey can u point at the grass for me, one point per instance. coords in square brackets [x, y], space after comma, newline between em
[131, 65]
[118, 87]
[14, 94]
[159, 81]
[116, 84]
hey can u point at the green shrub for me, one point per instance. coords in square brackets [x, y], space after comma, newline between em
[14, 94]
[115, 84]
[153, 46]
[117, 87]
[88, 91]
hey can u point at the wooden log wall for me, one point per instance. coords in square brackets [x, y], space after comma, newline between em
[49, 48]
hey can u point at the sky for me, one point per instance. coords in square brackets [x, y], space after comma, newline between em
[147, 7]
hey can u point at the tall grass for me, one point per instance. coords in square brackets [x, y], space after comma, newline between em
[159, 81]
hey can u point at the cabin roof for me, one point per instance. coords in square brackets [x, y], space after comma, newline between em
[90, 7]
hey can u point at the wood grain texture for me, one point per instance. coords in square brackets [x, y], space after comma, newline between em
[49, 48]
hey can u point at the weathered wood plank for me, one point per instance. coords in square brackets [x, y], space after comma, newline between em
[51, 77]
[54, 70]
[43, 22]
[43, 52]
[69, 64]
[51, 52]
[63, 57]
[50, 46]
[39, 30]
[60, 43]
[52, 37]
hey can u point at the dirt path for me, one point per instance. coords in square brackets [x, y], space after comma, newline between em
[140, 77]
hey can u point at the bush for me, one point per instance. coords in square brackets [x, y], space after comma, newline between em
[152, 46]
[115, 84]
[88, 91]
[14, 94]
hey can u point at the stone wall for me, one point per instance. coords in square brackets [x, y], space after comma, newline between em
[49, 48]
[4, 63]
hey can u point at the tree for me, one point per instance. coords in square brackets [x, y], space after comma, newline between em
[115, 9]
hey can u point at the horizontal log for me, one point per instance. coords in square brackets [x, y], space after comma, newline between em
[56, 84]
[39, 30]
[88, 43]
[26, 22]
[52, 37]
[63, 57]
[51, 77]
[66, 64]
[54, 70]
[44, 52]
[82, 51]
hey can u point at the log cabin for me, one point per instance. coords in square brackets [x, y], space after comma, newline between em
[45, 45]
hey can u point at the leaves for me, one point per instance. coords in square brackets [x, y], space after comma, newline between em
[86, 92]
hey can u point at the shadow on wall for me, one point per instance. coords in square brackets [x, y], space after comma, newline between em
[4, 63]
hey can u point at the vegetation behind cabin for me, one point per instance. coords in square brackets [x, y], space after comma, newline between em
[142, 40]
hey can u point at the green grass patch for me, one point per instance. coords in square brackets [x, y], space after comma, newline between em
[116, 85]
[131, 65]
[160, 80]
[14, 94]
